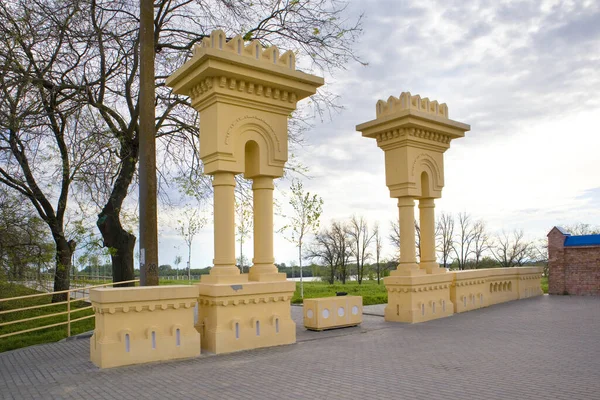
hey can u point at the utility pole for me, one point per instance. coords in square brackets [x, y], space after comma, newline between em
[147, 135]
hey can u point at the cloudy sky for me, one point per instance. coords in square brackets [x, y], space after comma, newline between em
[524, 75]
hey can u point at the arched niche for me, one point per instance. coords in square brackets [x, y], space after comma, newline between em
[428, 177]
[256, 150]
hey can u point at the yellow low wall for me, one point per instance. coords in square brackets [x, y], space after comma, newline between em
[143, 324]
[468, 291]
[421, 298]
[332, 312]
[418, 298]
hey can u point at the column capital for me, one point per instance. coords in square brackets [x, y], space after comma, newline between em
[406, 201]
[263, 182]
[223, 178]
[427, 202]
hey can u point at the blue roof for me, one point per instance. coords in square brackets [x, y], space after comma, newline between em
[583, 240]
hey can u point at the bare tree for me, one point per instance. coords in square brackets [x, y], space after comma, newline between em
[323, 250]
[480, 241]
[331, 247]
[582, 229]
[510, 249]
[394, 237]
[445, 237]
[343, 250]
[361, 240]
[25, 245]
[463, 242]
[42, 142]
[378, 248]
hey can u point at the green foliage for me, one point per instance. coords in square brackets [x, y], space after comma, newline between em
[371, 292]
[545, 284]
[44, 335]
[307, 211]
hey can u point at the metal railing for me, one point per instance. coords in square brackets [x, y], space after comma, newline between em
[72, 296]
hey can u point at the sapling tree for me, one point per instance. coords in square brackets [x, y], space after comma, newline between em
[177, 262]
[307, 209]
[244, 222]
[378, 248]
[189, 226]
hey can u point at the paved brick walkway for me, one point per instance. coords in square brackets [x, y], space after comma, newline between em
[541, 348]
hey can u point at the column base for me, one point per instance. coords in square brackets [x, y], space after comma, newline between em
[246, 316]
[432, 267]
[408, 270]
[265, 273]
[224, 279]
[415, 299]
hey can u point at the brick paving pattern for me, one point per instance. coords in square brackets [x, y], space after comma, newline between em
[542, 348]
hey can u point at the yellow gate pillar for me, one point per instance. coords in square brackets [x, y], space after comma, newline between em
[244, 94]
[414, 133]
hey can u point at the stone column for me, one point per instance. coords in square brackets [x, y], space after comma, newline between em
[224, 225]
[263, 267]
[427, 224]
[408, 256]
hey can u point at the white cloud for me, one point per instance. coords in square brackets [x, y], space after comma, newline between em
[523, 74]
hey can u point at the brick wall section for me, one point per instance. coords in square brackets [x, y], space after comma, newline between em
[573, 270]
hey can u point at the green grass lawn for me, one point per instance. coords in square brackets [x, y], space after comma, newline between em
[371, 292]
[545, 284]
[44, 335]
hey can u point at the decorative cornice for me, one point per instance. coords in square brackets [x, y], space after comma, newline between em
[469, 282]
[416, 289]
[238, 85]
[412, 132]
[236, 45]
[216, 302]
[408, 102]
[102, 309]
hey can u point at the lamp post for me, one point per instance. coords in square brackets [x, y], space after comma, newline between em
[147, 138]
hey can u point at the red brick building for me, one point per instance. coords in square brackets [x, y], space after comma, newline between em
[573, 263]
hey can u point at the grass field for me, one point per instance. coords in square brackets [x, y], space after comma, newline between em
[44, 335]
[371, 292]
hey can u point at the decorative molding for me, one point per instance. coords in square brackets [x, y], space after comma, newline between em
[260, 121]
[253, 50]
[242, 86]
[408, 102]
[103, 309]
[413, 132]
[215, 302]
[416, 289]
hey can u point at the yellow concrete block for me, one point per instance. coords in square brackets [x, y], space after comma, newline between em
[418, 298]
[143, 324]
[332, 312]
[244, 316]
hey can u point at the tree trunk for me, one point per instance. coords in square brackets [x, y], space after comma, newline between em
[64, 251]
[121, 244]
